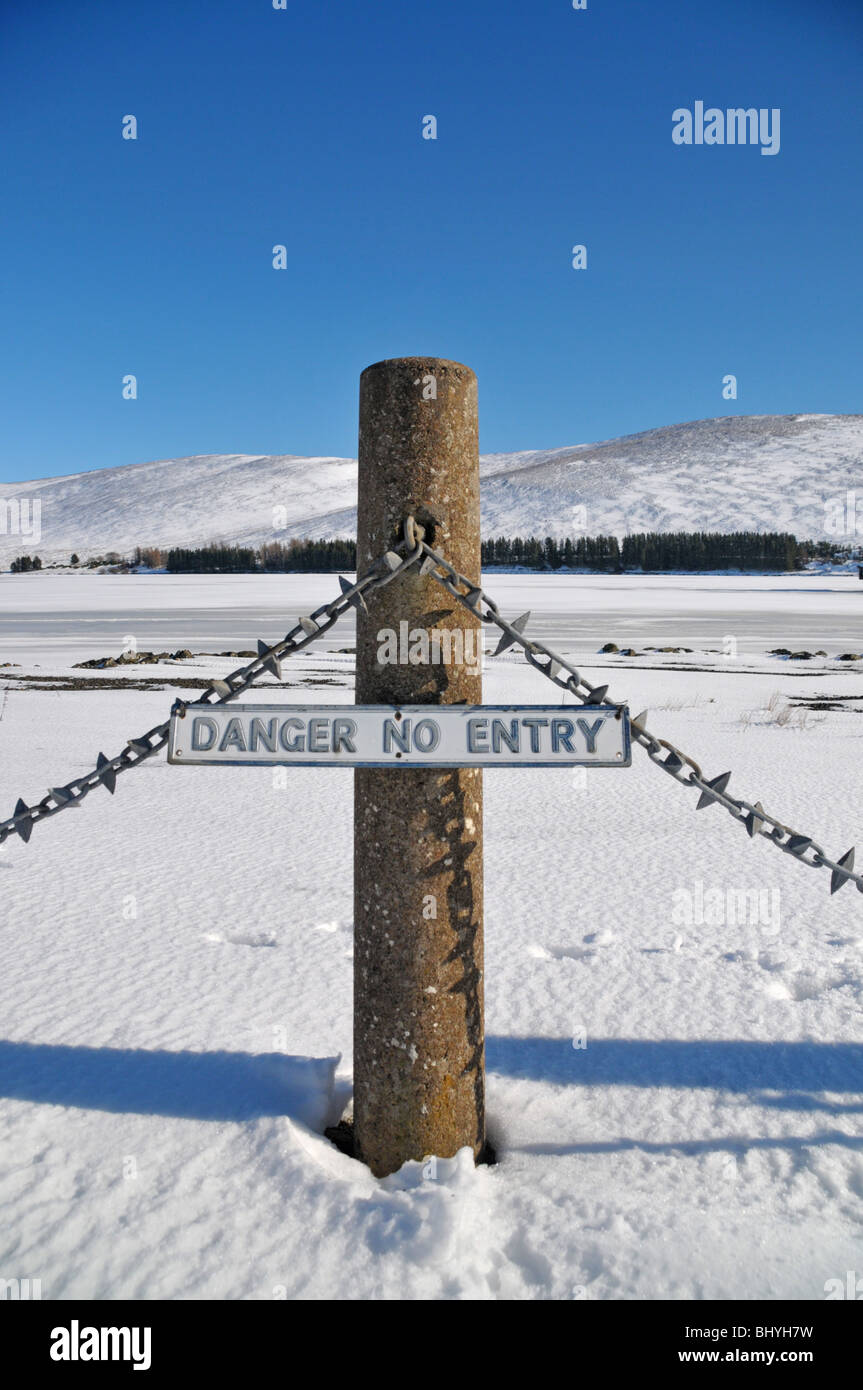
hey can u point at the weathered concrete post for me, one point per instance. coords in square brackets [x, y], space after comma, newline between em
[419, 1057]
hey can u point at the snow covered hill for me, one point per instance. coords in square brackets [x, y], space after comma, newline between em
[763, 472]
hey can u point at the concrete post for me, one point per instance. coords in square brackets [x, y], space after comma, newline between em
[419, 1050]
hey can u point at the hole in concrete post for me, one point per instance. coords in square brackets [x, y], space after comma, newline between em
[425, 519]
[429, 524]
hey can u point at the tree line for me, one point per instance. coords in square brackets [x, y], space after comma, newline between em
[537, 553]
[652, 551]
[647, 551]
[275, 557]
[712, 550]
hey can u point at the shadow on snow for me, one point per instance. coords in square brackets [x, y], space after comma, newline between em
[241, 1086]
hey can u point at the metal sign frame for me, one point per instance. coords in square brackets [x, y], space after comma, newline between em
[555, 725]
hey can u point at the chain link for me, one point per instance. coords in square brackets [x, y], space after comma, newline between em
[307, 630]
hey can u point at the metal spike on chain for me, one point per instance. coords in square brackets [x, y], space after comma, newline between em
[754, 820]
[24, 819]
[717, 784]
[63, 796]
[107, 772]
[797, 844]
[355, 599]
[271, 663]
[507, 638]
[308, 625]
[842, 873]
[598, 694]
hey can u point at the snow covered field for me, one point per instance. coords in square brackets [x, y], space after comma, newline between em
[176, 979]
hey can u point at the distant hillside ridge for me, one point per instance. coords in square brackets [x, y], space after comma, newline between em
[779, 473]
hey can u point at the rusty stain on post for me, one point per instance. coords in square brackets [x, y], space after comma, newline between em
[419, 1049]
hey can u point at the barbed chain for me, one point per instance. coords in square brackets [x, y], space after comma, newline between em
[307, 630]
[412, 549]
[664, 754]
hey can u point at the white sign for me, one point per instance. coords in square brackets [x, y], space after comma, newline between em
[402, 735]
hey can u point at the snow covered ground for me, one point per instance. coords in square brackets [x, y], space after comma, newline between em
[176, 978]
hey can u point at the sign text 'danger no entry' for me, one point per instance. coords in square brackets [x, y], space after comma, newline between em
[402, 736]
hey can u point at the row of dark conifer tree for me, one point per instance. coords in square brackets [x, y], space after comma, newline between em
[652, 551]
[272, 558]
[649, 551]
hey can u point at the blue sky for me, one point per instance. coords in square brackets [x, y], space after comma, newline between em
[303, 126]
